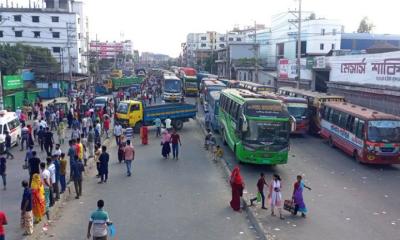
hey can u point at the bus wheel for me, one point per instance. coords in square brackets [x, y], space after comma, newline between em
[330, 142]
[178, 124]
[137, 127]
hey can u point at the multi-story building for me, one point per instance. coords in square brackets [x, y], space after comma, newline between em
[110, 50]
[59, 25]
[200, 46]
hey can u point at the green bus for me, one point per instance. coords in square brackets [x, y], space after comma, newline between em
[256, 128]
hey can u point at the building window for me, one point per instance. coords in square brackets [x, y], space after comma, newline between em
[18, 33]
[238, 39]
[36, 34]
[17, 18]
[321, 46]
[222, 39]
[203, 38]
[1, 18]
[79, 21]
[56, 49]
[334, 31]
[323, 31]
[333, 46]
[79, 35]
[55, 19]
[222, 45]
[80, 50]
[203, 45]
[56, 34]
[230, 39]
[1, 34]
[35, 18]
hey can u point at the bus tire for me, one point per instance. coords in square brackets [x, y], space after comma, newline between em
[178, 124]
[330, 142]
[136, 128]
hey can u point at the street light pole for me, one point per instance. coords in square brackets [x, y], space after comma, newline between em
[299, 47]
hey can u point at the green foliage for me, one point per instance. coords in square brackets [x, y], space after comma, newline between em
[365, 26]
[19, 56]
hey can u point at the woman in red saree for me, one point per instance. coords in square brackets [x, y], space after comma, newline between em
[38, 201]
[237, 186]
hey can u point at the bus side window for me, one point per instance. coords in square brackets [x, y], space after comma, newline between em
[350, 123]
[360, 129]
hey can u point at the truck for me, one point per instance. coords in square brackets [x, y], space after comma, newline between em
[189, 79]
[115, 84]
[134, 114]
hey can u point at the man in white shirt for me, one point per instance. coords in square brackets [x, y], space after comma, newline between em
[45, 176]
[168, 124]
[117, 132]
[43, 123]
[84, 126]
[52, 169]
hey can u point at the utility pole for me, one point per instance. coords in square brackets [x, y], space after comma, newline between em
[69, 54]
[256, 52]
[299, 47]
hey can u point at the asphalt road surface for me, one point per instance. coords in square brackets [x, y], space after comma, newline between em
[164, 199]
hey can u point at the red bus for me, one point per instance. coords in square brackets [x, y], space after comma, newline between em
[369, 136]
[298, 109]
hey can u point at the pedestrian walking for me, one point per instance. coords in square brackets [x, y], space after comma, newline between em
[75, 133]
[275, 195]
[56, 185]
[117, 132]
[77, 169]
[33, 165]
[218, 153]
[165, 143]
[299, 205]
[40, 136]
[35, 128]
[97, 154]
[72, 155]
[28, 156]
[168, 122]
[84, 126]
[90, 142]
[176, 142]
[98, 223]
[104, 159]
[53, 187]
[45, 177]
[61, 132]
[85, 151]
[207, 139]
[63, 173]
[48, 141]
[3, 221]
[129, 156]
[237, 186]
[3, 172]
[97, 133]
[24, 137]
[260, 195]
[26, 210]
[128, 133]
[8, 145]
[38, 199]
[106, 125]
[157, 123]
[121, 154]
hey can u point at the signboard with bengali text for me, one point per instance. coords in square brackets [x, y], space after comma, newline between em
[12, 82]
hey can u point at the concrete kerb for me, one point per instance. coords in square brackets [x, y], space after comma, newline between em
[250, 213]
[38, 230]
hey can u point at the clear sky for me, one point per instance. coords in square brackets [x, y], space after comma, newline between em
[162, 25]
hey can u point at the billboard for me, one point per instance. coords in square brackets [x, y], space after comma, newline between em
[376, 69]
[12, 82]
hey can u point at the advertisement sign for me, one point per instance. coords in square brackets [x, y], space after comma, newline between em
[12, 82]
[287, 69]
[319, 62]
[376, 69]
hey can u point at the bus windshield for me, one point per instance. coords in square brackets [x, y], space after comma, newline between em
[298, 111]
[191, 84]
[122, 108]
[173, 86]
[384, 131]
[267, 132]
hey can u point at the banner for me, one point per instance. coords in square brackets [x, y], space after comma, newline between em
[376, 69]
[12, 82]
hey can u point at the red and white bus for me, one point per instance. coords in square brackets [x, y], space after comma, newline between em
[298, 109]
[369, 136]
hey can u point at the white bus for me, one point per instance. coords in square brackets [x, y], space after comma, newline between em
[172, 87]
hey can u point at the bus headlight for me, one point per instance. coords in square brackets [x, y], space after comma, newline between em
[371, 157]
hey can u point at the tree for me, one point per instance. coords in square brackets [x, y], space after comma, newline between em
[19, 56]
[365, 26]
[312, 16]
